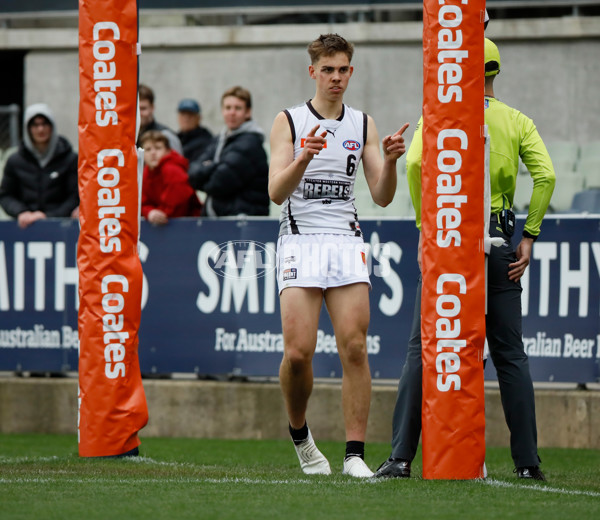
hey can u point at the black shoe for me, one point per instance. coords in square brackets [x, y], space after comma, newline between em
[393, 468]
[533, 472]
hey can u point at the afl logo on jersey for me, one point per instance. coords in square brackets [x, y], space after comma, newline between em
[351, 145]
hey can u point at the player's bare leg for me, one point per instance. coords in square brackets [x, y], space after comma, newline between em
[348, 308]
[300, 308]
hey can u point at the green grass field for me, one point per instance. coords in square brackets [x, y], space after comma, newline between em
[41, 477]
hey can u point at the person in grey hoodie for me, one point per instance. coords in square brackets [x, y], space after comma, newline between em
[233, 170]
[40, 178]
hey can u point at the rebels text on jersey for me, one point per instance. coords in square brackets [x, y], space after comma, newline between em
[323, 202]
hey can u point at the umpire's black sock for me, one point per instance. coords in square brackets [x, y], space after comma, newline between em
[355, 449]
[300, 435]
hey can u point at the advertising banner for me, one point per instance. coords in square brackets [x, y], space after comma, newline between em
[112, 404]
[453, 294]
[210, 303]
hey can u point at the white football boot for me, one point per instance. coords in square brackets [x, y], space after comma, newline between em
[312, 461]
[356, 467]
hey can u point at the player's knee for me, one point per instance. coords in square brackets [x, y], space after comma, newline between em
[355, 352]
[298, 359]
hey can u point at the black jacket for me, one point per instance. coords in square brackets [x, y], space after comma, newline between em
[28, 186]
[194, 142]
[235, 175]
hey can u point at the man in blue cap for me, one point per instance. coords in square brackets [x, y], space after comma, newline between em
[193, 137]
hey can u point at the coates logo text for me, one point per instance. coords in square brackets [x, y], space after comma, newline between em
[351, 145]
[242, 259]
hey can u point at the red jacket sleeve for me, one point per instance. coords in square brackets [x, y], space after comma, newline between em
[176, 192]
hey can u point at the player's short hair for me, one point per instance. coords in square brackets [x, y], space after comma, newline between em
[240, 93]
[154, 136]
[328, 45]
[146, 93]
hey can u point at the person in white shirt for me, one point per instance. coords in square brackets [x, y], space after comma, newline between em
[315, 151]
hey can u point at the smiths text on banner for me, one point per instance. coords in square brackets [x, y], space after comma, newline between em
[453, 297]
[112, 404]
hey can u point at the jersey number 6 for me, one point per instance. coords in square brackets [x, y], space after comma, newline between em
[351, 165]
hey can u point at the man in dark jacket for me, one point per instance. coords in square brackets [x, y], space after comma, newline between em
[40, 179]
[194, 137]
[147, 121]
[233, 171]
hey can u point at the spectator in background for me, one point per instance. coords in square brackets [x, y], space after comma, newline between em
[194, 138]
[40, 178]
[147, 121]
[233, 170]
[165, 189]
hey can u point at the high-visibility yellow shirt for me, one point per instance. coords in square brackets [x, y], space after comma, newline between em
[512, 135]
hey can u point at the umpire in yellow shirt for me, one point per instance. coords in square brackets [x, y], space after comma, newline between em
[512, 135]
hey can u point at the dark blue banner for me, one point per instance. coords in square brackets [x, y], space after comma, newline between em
[210, 303]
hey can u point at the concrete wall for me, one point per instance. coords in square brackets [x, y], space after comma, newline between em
[569, 419]
[549, 70]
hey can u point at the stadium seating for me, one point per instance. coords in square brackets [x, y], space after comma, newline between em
[565, 189]
[577, 168]
[590, 149]
[588, 164]
[564, 155]
[589, 169]
[586, 201]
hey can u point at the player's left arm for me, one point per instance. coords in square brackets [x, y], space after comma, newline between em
[380, 172]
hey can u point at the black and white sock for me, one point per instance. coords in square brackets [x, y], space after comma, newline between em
[300, 435]
[355, 449]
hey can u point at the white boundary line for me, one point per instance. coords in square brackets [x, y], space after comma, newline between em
[538, 487]
[241, 480]
[258, 481]
[169, 480]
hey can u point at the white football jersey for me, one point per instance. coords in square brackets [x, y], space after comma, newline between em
[323, 202]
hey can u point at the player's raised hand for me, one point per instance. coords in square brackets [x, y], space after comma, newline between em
[393, 145]
[313, 143]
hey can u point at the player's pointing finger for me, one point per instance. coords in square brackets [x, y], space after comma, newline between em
[313, 131]
[404, 127]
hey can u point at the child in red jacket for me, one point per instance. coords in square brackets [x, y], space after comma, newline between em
[166, 192]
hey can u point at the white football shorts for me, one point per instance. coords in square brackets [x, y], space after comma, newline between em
[321, 261]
